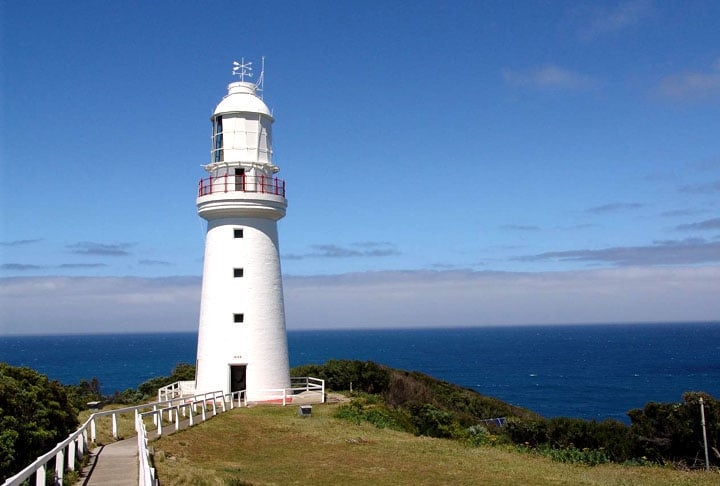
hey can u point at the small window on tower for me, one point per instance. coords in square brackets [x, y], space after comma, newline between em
[238, 317]
[237, 272]
[238, 233]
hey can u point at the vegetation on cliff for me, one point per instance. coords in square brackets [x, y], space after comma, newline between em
[35, 414]
[661, 433]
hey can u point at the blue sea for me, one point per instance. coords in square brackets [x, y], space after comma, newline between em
[588, 371]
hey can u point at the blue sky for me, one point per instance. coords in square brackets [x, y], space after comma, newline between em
[447, 163]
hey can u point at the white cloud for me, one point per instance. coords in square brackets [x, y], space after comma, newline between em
[603, 20]
[669, 252]
[549, 77]
[61, 305]
[33, 305]
[691, 85]
[466, 298]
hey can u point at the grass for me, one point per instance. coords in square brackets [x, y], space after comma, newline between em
[273, 445]
[103, 425]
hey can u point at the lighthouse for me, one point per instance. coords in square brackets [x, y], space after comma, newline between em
[242, 341]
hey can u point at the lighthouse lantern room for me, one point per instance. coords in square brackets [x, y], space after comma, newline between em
[242, 342]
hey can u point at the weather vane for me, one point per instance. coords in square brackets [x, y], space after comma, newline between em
[242, 69]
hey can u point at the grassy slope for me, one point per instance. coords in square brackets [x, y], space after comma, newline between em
[272, 445]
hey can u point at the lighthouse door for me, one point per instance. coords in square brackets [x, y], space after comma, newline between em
[237, 378]
[240, 180]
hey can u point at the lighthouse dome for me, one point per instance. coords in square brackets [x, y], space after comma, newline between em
[242, 98]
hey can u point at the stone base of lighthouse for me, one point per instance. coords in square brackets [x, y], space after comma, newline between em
[242, 341]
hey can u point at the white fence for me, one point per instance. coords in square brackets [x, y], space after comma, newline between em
[175, 390]
[76, 444]
[193, 408]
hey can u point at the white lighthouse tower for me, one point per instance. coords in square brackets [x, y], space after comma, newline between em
[242, 342]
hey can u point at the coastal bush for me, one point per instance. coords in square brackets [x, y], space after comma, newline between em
[672, 432]
[84, 392]
[659, 433]
[35, 414]
[478, 435]
[468, 406]
[182, 372]
[418, 403]
[611, 437]
[366, 409]
[360, 376]
[431, 421]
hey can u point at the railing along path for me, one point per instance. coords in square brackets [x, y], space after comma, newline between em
[193, 408]
[76, 444]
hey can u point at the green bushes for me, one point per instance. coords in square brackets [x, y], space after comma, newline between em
[672, 431]
[84, 392]
[363, 376]
[182, 372]
[659, 433]
[35, 414]
[576, 437]
[369, 409]
[432, 421]
[414, 402]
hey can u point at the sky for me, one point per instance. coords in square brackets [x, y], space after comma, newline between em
[447, 163]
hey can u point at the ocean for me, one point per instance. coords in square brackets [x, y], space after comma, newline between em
[584, 371]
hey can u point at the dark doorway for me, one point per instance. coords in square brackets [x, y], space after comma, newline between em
[237, 378]
[240, 180]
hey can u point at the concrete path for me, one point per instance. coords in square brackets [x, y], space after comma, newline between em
[114, 464]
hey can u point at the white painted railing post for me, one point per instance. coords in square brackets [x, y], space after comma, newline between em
[114, 425]
[159, 424]
[60, 465]
[93, 433]
[155, 421]
[214, 403]
[177, 418]
[203, 410]
[71, 455]
[82, 442]
[192, 421]
[40, 476]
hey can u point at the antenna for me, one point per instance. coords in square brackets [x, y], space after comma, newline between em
[261, 79]
[242, 69]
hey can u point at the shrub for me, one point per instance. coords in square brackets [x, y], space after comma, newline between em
[84, 392]
[361, 376]
[478, 435]
[361, 410]
[35, 414]
[182, 372]
[672, 432]
[433, 422]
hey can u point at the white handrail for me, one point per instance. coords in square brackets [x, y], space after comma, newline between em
[146, 473]
[77, 442]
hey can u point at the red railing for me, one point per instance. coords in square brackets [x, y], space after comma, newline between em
[241, 183]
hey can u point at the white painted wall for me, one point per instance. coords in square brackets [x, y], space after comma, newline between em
[260, 341]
